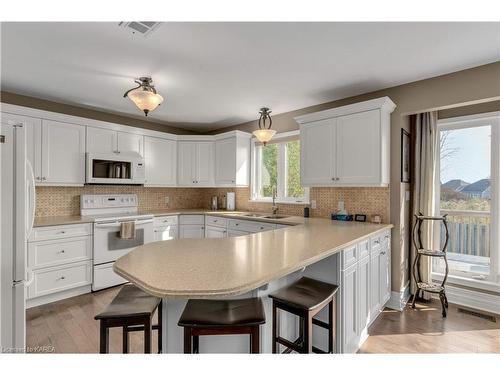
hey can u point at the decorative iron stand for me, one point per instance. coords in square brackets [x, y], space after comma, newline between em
[417, 242]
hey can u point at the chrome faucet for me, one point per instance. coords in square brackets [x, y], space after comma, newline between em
[274, 207]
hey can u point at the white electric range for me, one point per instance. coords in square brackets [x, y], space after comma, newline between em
[108, 211]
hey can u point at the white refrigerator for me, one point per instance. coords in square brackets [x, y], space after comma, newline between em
[17, 207]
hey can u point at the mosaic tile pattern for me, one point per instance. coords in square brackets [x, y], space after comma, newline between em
[61, 201]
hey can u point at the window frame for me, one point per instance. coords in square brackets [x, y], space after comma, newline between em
[492, 283]
[281, 169]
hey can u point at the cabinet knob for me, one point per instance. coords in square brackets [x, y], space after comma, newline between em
[62, 232]
[62, 252]
[43, 178]
[333, 178]
[62, 277]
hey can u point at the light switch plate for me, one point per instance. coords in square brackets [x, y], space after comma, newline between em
[167, 199]
[313, 204]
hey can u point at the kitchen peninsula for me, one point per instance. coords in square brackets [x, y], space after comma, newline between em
[355, 256]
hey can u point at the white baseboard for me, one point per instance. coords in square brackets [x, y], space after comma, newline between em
[473, 299]
[398, 300]
[42, 300]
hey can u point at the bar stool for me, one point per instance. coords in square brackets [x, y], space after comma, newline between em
[132, 309]
[222, 317]
[305, 298]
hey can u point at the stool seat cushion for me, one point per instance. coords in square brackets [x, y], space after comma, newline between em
[305, 293]
[215, 313]
[130, 301]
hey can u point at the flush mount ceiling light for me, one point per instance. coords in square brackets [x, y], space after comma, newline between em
[144, 96]
[264, 133]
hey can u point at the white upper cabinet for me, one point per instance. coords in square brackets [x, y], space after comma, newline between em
[130, 143]
[105, 141]
[101, 141]
[232, 159]
[195, 165]
[63, 153]
[347, 146]
[161, 161]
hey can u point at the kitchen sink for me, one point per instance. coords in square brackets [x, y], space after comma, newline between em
[275, 217]
[253, 215]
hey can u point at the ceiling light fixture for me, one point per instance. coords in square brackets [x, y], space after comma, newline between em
[144, 96]
[264, 133]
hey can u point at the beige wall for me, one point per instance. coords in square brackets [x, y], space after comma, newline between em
[463, 88]
[28, 101]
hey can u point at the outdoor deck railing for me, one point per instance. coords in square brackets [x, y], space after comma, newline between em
[469, 232]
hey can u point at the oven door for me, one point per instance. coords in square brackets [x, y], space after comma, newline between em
[108, 246]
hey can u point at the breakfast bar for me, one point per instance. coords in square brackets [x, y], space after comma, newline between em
[347, 254]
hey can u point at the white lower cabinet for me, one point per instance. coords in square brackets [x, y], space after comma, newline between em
[191, 231]
[166, 233]
[215, 232]
[236, 233]
[365, 288]
[59, 262]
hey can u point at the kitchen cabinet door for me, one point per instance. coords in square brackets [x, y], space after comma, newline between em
[225, 161]
[236, 233]
[63, 153]
[215, 232]
[364, 295]
[317, 158]
[205, 164]
[375, 285]
[169, 232]
[350, 310]
[101, 141]
[191, 231]
[186, 165]
[385, 276]
[358, 149]
[130, 143]
[161, 161]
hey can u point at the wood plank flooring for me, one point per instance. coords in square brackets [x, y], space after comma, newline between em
[69, 327]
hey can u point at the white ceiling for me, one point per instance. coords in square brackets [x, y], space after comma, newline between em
[219, 74]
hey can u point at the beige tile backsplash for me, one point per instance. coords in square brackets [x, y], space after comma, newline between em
[61, 201]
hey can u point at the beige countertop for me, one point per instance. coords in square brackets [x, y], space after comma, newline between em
[218, 267]
[44, 221]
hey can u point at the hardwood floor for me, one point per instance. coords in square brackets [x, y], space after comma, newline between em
[69, 327]
[423, 330]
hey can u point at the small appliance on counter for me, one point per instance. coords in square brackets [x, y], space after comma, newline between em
[214, 205]
[231, 201]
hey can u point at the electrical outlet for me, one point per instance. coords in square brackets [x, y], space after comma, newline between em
[167, 200]
[313, 204]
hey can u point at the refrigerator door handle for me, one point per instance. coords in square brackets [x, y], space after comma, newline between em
[31, 206]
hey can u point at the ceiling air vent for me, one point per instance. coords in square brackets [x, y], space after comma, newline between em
[143, 28]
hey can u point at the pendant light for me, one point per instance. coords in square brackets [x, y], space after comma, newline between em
[144, 96]
[264, 133]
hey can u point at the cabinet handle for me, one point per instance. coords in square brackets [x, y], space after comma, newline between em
[43, 178]
[382, 253]
[333, 178]
[62, 252]
[236, 224]
[62, 232]
[62, 278]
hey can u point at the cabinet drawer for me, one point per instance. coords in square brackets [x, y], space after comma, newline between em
[250, 226]
[236, 233]
[163, 221]
[363, 249]
[216, 221]
[56, 279]
[60, 231]
[376, 243]
[56, 252]
[192, 219]
[349, 256]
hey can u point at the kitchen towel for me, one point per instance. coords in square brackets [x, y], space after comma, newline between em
[127, 230]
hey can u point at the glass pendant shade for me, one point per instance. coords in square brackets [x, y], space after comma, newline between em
[144, 96]
[264, 135]
[146, 101]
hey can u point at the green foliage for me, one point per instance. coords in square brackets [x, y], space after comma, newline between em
[293, 178]
[270, 169]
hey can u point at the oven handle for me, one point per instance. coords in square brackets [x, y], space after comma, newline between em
[117, 223]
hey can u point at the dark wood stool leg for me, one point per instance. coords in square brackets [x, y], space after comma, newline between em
[196, 344]
[307, 344]
[147, 334]
[255, 340]
[104, 337]
[125, 339]
[187, 340]
[276, 327]
[331, 328]
[160, 327]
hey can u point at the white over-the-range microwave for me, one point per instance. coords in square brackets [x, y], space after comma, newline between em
[126, 168]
